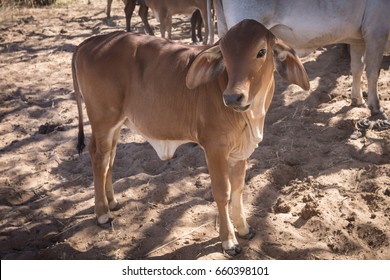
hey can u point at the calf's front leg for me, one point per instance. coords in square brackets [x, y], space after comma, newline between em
[217, 161]
[237, 170]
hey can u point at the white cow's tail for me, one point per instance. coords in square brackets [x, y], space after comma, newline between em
[80, 142]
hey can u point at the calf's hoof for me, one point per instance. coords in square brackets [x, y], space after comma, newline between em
[249, 235]
[105, 221]
[114, 205]
[106, 225]
[233, 251]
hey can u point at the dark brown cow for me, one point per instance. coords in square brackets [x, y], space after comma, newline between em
[216, 96]
[196, 27]
[129, 9]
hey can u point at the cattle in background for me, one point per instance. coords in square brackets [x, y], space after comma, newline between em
[308, 24]
[196, 18]
[165, 9]
[129, 9]
[196, 27]
[171, 94]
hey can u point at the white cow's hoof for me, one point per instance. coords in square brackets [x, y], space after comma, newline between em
[358, 103]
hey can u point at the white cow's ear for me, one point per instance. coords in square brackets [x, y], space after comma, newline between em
[206, 66]
[289, 66]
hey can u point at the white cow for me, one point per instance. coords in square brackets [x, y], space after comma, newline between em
[308, 24]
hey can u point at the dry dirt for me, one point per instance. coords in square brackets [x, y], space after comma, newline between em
[311, 192]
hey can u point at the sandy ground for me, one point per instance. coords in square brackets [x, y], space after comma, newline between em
[311, 192]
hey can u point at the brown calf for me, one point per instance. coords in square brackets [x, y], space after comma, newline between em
[216, 96]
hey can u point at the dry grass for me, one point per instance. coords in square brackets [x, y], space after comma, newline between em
[26, 3]
[11, 8]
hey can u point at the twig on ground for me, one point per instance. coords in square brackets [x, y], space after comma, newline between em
[176, 239]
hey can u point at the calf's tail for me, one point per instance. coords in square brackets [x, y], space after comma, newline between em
[80, 142]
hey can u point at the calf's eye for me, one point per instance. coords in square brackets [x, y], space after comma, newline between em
[261, 53]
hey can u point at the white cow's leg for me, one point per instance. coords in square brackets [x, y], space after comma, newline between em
[357, 67]
[374, 55]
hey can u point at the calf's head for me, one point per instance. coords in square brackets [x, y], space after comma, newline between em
[248, 53]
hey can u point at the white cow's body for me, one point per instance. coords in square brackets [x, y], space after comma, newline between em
[308, 24]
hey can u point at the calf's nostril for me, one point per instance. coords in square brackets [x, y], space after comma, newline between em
[233, 99]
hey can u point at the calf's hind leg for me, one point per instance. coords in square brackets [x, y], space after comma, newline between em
[101, 151]
[113, 204]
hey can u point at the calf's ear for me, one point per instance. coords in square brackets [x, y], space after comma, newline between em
[206, 66]
[289, 66]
